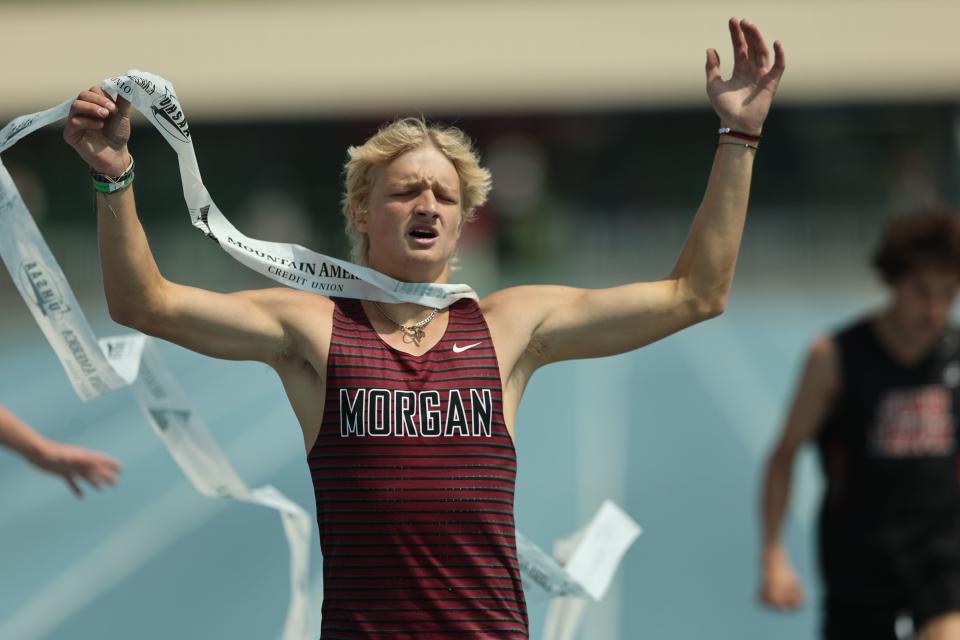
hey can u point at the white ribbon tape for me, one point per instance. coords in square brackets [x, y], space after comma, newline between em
[98, 367]
[604, 542]
[95, 368]
[590, 555]
[289, 264]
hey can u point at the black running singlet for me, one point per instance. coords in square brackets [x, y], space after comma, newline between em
[890, 444]
[889, 451]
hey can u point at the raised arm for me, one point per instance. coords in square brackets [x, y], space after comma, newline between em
[247, 325]
[69, 462]
[780, 586]
[580, 323]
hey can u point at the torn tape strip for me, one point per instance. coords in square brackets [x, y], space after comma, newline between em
[290, 264]
[97, 367]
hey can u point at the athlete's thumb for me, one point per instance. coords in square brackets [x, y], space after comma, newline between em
[123, 106]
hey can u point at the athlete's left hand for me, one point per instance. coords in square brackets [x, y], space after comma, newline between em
[743, 101]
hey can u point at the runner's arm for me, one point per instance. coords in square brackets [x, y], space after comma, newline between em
[249, 325]
[246, 325]
[585, 323]
[812, 401]
[17, 436]
[569, 323]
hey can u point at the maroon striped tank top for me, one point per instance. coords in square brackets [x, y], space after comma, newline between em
[414, 475]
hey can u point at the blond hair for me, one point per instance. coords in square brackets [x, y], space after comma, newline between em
[393, 140]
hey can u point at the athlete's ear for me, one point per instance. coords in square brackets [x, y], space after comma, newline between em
[359, 218]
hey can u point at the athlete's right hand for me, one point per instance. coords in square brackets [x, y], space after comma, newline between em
[72, 463]
[781, 587]
[98, 129]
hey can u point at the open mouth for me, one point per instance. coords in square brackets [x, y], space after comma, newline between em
[423, 232]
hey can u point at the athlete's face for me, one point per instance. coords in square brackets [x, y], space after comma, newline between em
[413, 217]
[922, 300]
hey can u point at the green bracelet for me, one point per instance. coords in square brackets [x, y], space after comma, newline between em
[106, 184]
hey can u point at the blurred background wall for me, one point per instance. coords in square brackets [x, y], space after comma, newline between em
[594, 121]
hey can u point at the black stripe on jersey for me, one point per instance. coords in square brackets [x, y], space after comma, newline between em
[336, 355]
[439, 442]
[509, 480]
[475, 454]
[494, 467]
[477, 489]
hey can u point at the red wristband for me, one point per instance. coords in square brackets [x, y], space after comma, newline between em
[727, 131]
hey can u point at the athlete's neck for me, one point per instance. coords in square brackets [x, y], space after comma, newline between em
[905, 347]
[405, 313]
[411, 271]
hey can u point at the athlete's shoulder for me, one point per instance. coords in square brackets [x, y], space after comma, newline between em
[823, 362]
[859, 327]
[823, 347]
[306, 318]
[527, 297]
[283, 300]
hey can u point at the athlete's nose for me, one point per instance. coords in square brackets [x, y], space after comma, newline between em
[426, 204]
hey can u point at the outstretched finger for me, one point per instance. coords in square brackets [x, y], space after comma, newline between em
[74, 487]
[758, 48]
[92, 478]
[96, 458]
[779, 59]
[713, 67]
[738, 41]
[107, 475]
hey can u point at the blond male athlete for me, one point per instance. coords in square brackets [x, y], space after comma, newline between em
[408, 412]
[67, 461]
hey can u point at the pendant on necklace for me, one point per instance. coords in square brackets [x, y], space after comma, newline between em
[415, 335]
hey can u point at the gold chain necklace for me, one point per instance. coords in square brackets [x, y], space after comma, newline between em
[411, 333]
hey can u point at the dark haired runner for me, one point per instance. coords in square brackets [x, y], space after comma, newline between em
[880, 399]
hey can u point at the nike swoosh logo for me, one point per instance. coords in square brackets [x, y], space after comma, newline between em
[457, 349]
